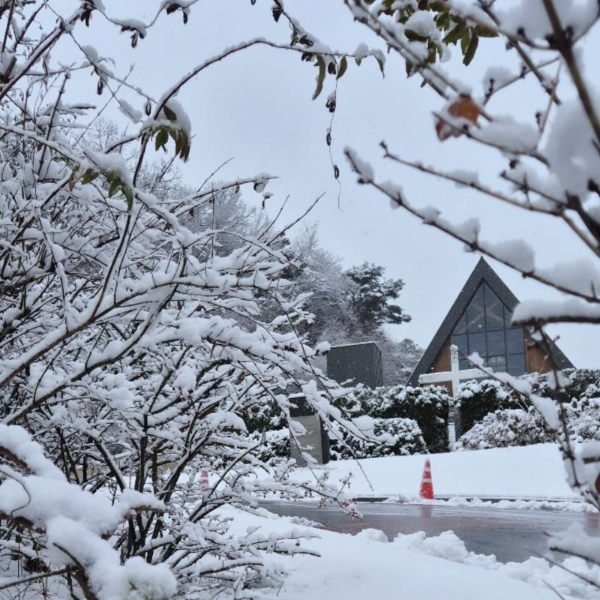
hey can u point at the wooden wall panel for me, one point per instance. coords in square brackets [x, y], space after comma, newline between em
[536, 360]
[442, 360]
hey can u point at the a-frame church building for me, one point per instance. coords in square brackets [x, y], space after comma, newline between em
[479, 321]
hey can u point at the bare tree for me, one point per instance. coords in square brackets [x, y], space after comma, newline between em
[129, 350]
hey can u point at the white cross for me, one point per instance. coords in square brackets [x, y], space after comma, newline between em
[454, 376]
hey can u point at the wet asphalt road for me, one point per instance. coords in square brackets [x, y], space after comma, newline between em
[512, 535]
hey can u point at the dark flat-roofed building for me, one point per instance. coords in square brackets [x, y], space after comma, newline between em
[354, 364]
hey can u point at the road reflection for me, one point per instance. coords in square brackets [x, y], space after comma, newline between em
[511, 535]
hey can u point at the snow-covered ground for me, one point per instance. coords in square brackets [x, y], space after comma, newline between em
[532, 472]
[412, 567]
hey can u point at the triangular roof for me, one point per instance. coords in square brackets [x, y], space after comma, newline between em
[481, 272]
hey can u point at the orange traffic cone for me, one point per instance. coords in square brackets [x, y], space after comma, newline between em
[426, 492]
[204, 483]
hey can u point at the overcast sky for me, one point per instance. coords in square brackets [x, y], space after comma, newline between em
[256, 107]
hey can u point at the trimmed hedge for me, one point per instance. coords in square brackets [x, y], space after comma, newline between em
[477, 398]
[504, 429]
[264, 416]
[396, 437]
[520, 427]
[429, 406]
[276, 444]
[580, 383]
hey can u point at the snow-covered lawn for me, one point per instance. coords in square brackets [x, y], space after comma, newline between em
[368, 567]
[532, 472]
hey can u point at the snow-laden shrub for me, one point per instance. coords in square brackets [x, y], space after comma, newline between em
[477, 398]
[396, 437]
[264, 416]
[579, 383]
[429, 406]
[506, 428]
[273, 444]
[583, 418]
[522, 427]
[134, 345]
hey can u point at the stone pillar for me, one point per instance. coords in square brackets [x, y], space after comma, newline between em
[315, 441]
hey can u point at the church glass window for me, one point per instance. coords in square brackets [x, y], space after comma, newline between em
[485, 328]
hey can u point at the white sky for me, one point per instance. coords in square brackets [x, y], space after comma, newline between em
[257, 108]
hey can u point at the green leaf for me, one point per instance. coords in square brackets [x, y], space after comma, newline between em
[472, 48]
[162, 137]
[343, 67]
[443, 21]
[432, 53]
[320, 77]
[89, 176]
[413, 36]
[465, 41]
[483, 31]
[129, 195]
[170, 114]
[114, 186]
[456, 34]
[381, 63]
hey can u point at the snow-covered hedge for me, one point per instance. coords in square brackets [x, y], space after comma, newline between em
[273, 444]
[522, 427]
[579, 383]
[396, 437]
[74, 524]
[505, 428]
[428, 406]
[477, 398]
[583, 419]
[264, 416]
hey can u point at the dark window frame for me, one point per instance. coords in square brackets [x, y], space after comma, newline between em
[506, 347]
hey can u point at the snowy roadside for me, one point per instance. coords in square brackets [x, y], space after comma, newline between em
[531, 474]
[411, 567]
[577, 506]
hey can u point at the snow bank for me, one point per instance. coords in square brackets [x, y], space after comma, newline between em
[535, 571]
[533, 472]
[412, 567]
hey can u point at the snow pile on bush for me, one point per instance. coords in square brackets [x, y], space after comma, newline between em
[273, 444]
[397, 421]
[568, 579]
[76, 523]
[395, 437]
[429, 406]
[493, 417]
[519, 427]
[583, 418]
[477, 398]
[506, 428]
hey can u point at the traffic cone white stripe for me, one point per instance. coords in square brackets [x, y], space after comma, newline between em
[204, 481]
[426, 491]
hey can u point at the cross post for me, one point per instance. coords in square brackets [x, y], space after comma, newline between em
[454, 376]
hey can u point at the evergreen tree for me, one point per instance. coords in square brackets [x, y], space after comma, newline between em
[372, 297]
